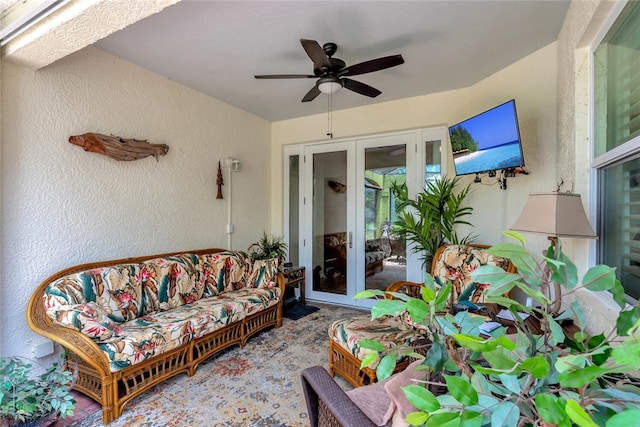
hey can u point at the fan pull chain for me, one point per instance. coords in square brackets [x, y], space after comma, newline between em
[329, 116]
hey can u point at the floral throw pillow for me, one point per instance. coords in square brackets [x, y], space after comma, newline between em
[264, 274]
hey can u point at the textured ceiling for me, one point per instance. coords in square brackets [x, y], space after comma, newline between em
[216, 47]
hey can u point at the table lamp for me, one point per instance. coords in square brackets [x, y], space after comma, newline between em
[556, 215]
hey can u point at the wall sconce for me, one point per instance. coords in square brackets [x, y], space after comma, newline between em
[232, 164]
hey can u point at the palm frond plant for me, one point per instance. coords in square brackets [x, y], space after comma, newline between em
[561, 377]
[430, 220]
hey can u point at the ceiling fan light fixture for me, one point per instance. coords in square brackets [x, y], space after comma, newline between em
[329, 85]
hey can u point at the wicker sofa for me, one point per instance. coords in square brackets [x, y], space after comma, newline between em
[131, 323]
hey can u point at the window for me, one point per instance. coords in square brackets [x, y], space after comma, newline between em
[617, 146]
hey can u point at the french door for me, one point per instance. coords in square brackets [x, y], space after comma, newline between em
[340, 209]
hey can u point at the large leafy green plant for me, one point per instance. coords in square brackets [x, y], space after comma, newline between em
[25, 396]
[562, 377]
[430, 220]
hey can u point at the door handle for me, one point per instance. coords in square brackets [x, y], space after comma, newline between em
[350, 239]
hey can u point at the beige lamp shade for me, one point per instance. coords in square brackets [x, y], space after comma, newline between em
[554, 214]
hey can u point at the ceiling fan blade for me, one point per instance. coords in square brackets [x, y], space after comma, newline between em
[372, 65]
[286, 76]
[316, 53]
[311, 95]
[361, 88]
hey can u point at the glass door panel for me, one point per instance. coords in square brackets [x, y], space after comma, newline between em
[331, 212]
[293, 235]
[385, 254]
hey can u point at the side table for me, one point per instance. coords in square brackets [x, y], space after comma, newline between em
[295, 277]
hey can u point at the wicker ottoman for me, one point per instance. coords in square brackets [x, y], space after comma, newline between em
[345, 353]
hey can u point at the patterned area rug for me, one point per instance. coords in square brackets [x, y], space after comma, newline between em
[255, 386]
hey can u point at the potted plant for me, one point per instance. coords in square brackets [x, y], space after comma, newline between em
[562, 377]
[429, 221]
[26, 397]
[268, 247]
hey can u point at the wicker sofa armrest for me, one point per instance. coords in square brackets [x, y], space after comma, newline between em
[79, 343]
[319, 388]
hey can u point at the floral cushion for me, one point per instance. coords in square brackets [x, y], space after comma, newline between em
[253, 299]
[170, 282]
[263, 274]
[88, 318]
[224, 271]
[141, 338]
[117, 290]
[389, 331]
[456, 264]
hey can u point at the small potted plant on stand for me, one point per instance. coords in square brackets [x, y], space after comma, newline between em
[562, 376]
[28, 399]
[268, 248]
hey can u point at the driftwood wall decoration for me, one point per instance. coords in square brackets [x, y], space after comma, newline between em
[118, 148]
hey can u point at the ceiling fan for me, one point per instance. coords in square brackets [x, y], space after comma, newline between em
[331, 72]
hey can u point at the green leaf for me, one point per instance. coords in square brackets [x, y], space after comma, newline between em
[627, 354]
[461, 390]
[578, 415]
[478, 344]
[599, 278]
[515, 236]
[500, 281]
[557, 333]
[627, 320]
[518, 255]
[386, 366]
[429, 283]
[537, 365]
[627, 418]
[368, 359]
[619, 295]
[421, 398]
[571, 361]
[427, 294]
[505, 414]
[511, 383]
[418, 310]
[442, 296]
[506, 302]
[443, 419]
[416, 418]
[369, 293]
[437, 356]
[581, 377]
[387, 307]
[549, 408]
[470, 419]
[370, 344]
[498, 360]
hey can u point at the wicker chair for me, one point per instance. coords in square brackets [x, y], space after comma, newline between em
[451, 263]
[327, 403]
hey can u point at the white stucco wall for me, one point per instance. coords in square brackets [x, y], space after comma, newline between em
[531, 81]
[62, 206]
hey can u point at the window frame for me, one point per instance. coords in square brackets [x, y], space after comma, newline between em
[626, 152]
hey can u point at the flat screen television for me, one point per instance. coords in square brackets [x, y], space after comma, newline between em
[487, 142]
